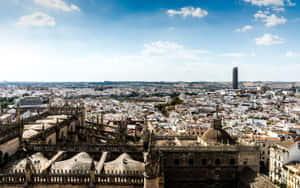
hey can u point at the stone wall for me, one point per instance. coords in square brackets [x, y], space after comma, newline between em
[250, 159]
[70, 186]
[9, 147]
[51, 139]
[60, 177]
[200, 169]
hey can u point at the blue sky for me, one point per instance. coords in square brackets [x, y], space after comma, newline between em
[149, 40]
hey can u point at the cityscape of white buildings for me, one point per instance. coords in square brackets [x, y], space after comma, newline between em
[261, 116]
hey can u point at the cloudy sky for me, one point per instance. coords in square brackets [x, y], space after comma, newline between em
[149, 40]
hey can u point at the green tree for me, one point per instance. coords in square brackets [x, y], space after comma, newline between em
[176, 100]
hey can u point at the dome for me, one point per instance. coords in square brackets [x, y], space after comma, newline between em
[216, 137]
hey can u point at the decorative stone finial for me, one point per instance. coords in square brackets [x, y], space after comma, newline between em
[92, 165]
[217, 121]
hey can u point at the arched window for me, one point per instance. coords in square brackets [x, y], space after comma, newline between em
[218, 162]
[204, 161]
[232, 161]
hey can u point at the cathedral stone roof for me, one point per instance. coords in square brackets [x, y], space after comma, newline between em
[124, 163]
[37, 160]
[81, 161]
[215, 136]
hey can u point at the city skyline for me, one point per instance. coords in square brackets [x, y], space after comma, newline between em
[75, 40]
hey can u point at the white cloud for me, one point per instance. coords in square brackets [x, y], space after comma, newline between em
[58, 4]
[269, 20]
[271, 2]
[74, 7]
[292, 54]
[171, 50]
[171, 28]
[36, 62]
[269, 39]
[159, 60]
[234, 54]
[161, 47]
[37, 19]
[273, 20]
[244, 29]
[278, 9]
[188, 11]
[238, 54]
[290, 3]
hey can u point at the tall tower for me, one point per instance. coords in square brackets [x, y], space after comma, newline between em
[235, 78]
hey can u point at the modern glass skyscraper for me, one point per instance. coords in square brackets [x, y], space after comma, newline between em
[235, 80]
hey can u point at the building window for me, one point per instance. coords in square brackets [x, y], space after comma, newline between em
[232, 161]
[245, 162]
[176, 161]
[191, 162]
[218, 162]
[204, 162]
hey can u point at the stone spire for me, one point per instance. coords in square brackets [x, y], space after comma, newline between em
[92, 175]
[82, 118]
[97, 120]
[18, 114]
[101, 120]
[28, 171]
[146, 136]
[152, 169]
[217, 121]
